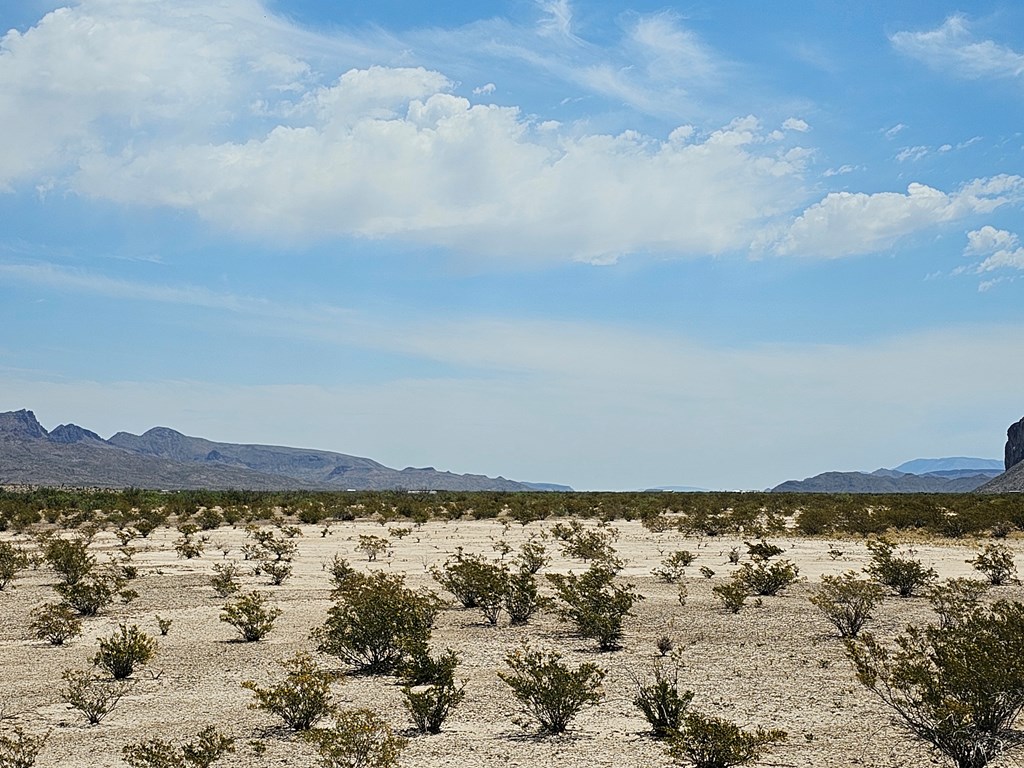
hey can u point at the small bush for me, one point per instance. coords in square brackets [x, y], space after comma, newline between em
[340, 570]
[126, 649]
[164, 625]
[595, 604]
[959, 688]
[665, 645]
[250, 615]
[733, 595]
[711, 742]
[93, 697]
[522, 598]
[302, 699]
[532, 556]
[591, 546]
[189, 547]
[225, 579]
[995, 561]
[372, 546]
[903, 575]
[359, 739]
[767, 578]
[12, 560]
[550, 691]
[69, 558]
[673, 567]
[761, 550]
[706, 572]
[955, 599]
[377, 622]
[847, 601]
[93, 592]
[277, 570]
[431, 701]
[660, 700]
[465, 576]
[20, 750]
[55, 622]
[208, 747]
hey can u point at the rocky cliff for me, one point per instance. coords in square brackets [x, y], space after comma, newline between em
[1014, 452]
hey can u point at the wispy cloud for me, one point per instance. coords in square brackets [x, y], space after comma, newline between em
[954, 48]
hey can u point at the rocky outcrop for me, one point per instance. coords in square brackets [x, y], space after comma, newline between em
[1014, 453]
[72, 433]
[20, 425]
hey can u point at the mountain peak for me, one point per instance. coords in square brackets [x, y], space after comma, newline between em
[21, 424]
[72, 433]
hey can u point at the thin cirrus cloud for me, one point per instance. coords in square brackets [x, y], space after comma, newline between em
[953, 47]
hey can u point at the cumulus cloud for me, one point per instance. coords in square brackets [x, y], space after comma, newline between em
[846, 223]
[997, 248]
[954, 48]
[796, 124]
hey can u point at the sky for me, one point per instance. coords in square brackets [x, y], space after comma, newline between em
[715, 244]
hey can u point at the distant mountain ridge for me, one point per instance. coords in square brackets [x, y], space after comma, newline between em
[165, 458]
[957, 474]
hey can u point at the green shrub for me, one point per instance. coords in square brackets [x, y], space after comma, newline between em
[711, 742]
[550, 691]
[958, 688]
[532, 555]
[733, 595]
[277, 570]
[430, 701]
[55, 622]
[69, 558]
[591, 546]
[595, 604]
[225, 579]
[903, 575]
[372, 546]
[660, 700]
[995, 561]
[164, 625]
[767, 578]
[762, 550]
[955, 599]
[302, 699]
[189, 547]
[673, 567]
[251, 616]
[359, 739]
[377, 622]
[93, 592]
[93, 697]
[522, 599]
[208, 747]
[12, 560]
[847, 601]
[126, 649]
[464, 576]
[20, 750]
[340, 570]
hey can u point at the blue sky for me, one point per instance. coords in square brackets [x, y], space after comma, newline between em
[717, 244]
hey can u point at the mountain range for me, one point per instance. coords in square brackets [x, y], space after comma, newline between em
[956, 474]
[163, 458]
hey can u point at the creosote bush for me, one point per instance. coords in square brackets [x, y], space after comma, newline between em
[847, 601]
[522, 598]
[251, 616]
[767, 578]
[903, 575]
[762, 550]
[55, 622]
[208, 747]
[20, 750]
[955, 599]
[12, 560]
[372, 546]
[93, 592]
[550, 691]
[93, 697]
[69, 558]
[359, 739]
[995, 561]
[225, 579]
[594, 603]
[127, 648]
[660, 700]
[302, 699]
[431, 693]
[377, 622]
[959, 688]
[465, 576]
[704, 741]
[673, 567]
[733, 595]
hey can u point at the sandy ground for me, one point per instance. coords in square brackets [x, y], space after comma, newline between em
[779, 665]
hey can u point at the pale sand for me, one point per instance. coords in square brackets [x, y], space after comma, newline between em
[776, 666]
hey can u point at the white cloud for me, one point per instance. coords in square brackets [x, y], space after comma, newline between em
[953, 47]
[846, 223]
[485, 90]
[557, 19]
[840, 171]
[796, 124]
[911, 154]
[1000, 249]
[894, 131]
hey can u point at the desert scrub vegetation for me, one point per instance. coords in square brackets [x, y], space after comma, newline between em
[92, 696]
[733, 594]
[995, 562]
[673, 567]
[377, 622]
[595, 603]
[372, 546]
[905, 576]
[225, 579]
[847, 601]
[69, 558]
[123, 651]
[251, 616]
[93, 592]
[523, 598]
[959, 687]
[302, 699]
[465, 576]
[766, 578]
[20, 749]
[704, 741]
[12, 560]
[55, 622]
[659, 699]
[359, 739]
[550, 691]
[431, 693]
[202, 752]
[953, 599]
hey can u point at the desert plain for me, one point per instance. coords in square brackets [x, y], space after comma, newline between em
[776, 664]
